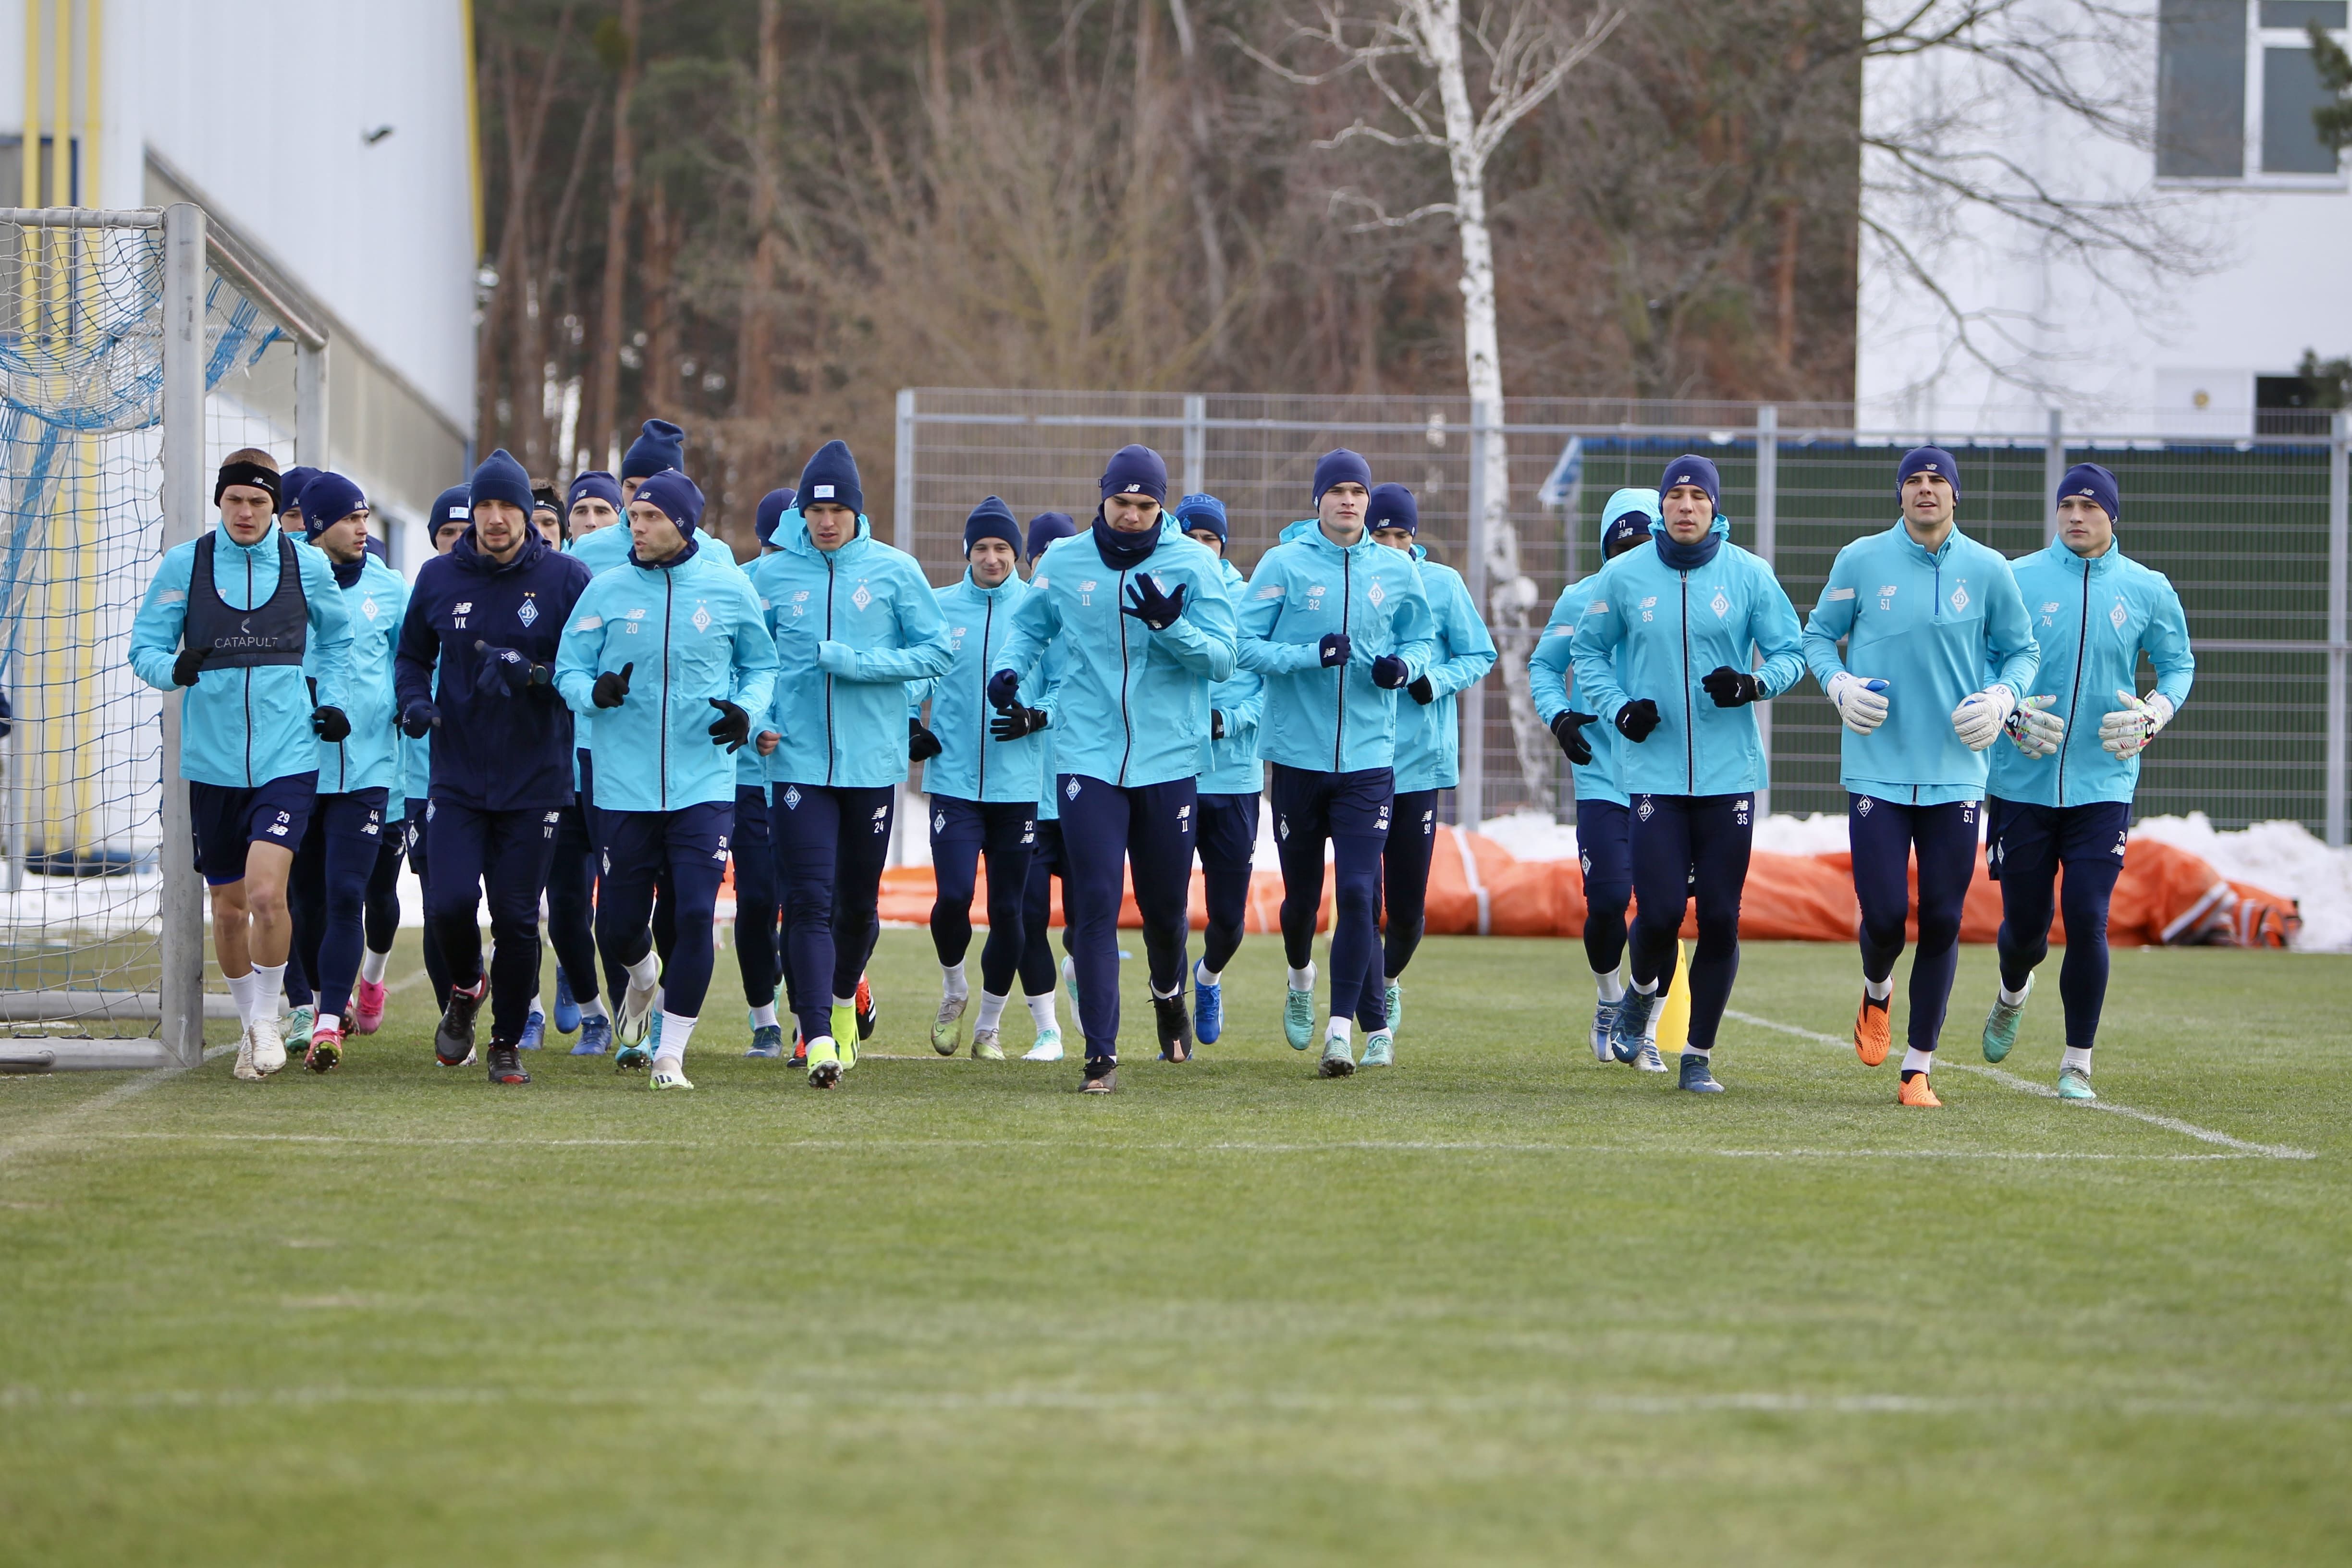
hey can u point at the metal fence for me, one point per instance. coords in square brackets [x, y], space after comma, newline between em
[2252, 533]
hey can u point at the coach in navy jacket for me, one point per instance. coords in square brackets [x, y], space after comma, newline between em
[489, 615]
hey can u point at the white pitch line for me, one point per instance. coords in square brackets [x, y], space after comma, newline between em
[2170, 1124]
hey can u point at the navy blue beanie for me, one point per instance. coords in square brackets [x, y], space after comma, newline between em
[773, 507]
[1625, 521]
[678, 497]
[2082, 480]
[500, 477]
[455, 504]
[992, 519]
[1337, 467]
[832, 476]
[1690, 468]
[332, 498]
[1929, 461]
[1049, 526]
[661, 445]
[594, 485]
[290, 489]
[1136, 470]
[1202, 510]
[1393, 507]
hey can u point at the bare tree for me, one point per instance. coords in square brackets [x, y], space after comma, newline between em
[1417, 56]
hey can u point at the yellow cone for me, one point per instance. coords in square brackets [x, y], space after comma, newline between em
[1673, 1018]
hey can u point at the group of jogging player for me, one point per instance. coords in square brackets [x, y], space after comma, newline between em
[584, 709]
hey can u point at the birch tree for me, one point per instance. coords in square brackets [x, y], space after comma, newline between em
[1419, 59]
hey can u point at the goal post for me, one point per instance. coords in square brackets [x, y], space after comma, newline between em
[129, 364]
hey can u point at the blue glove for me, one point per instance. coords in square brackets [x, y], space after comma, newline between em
[419, 719]
[1146, 604]
[514, 673]
[1389, 673]
[1004, 689]
[1335, 648]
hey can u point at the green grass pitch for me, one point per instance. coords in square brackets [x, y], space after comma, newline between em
[1498, 1305]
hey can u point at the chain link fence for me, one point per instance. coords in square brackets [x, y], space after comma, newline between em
[2251, 533]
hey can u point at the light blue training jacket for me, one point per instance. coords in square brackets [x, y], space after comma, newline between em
[1044, 679]
[242, 727]
[852, 627]
[973, 765]
[1232, 765]
[1332, 720]
[693, 631]
[369, 758]
[1549, 662]
[2092, 619]
[1936, 626]
[1130, 705]
[1428, 738]
[1651, 630]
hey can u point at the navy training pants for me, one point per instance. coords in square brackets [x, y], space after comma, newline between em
[1404, 878]
[1105, 830]
[328, 892]
[1685, 848]
[1350, 812]
[759, 905]
[2025, 844]
[1045, 863]
[1604, 851]
[685, 850]
[436, 967]
[830, 847]
[961, 832]
[1227, 839]
[504, 854]
[1885, 836]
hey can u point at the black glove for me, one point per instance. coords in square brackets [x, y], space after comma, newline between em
[1216, 724]
[1421, 690]
[612, 688]
[1146, 604]
[731, 727]
[1732, 688]
[330, 724]
[1336, 648]
[516, 674]
[184, 668]
[419, 719]
[1004, 689]
[1568, 730]
[1636, 719]
[1016, 722]
[1389, 673]
[921, 744]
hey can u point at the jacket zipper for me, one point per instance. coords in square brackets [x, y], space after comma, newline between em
[669, 601]
[1347, 594]
[1690, 719]
[2075, 698]
[828, 679]
[1126, 724]
[248, 674]
[987, 626]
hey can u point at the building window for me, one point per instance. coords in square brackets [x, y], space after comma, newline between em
[2290, 405]
[2236, 87]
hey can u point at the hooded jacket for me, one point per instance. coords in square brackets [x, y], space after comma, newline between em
[242, 727]
[369, 758]
[2090, 621]
[851, 626]
[492, 751]
[973, 765]
[1232, 765]
[1130, 705]
[1332, 720]
[1652, 630]
[692, 631]
[1548, 664]
[1429, 738]
[1936, 626]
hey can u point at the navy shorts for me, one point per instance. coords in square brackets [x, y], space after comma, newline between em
[226, 818]
[2035, 840]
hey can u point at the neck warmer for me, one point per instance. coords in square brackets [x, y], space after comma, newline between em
[692, 545]
[1687, 557]
[1124, 552]
[347, 573]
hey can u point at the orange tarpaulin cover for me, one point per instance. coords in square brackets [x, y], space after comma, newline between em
[2164, 895]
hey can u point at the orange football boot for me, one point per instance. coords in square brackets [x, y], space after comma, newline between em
[1915, 1091]
[1872, 1036]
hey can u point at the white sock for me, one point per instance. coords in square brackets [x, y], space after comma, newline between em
[328, 1021]
[1703, 1053]
[1649, 990]
[992, 1008]
[1878, 990]
[372, 965]
[763, 1016]
[646, 971]
[954, 987]
[2011, 998]
[240, 991]
[1339, 1029]
[675, 1033]
[268, 983]
[1160, 996]
[1303, 979]
[593, 1008]
[1041, 1012]
[1611, 985]
[537, 1005]
[2077, 1057]
[1917, 1060]
[849, 1001]
[1211, 978]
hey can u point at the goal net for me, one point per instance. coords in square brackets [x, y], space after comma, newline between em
[101, 941]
